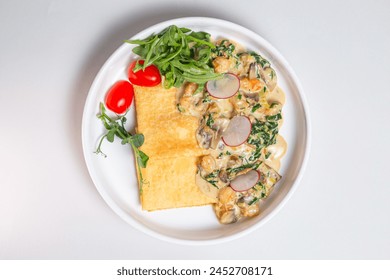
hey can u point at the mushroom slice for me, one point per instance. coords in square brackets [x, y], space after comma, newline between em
[204, 136]
[230, 216]
[209, 137]
[253, 71]
[219, 127]
[223, 176]
[268, 75]
[252, 95]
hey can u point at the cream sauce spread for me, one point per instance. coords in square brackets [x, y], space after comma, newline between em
[261, 100]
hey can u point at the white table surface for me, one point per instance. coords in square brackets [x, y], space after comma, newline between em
[50, 54]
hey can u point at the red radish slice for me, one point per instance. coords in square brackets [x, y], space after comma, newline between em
[238, 131]
[246, 181]
[225, 87]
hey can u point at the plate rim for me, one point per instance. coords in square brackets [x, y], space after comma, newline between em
[307, 145]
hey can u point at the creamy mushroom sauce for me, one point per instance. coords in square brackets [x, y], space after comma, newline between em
[258, 98]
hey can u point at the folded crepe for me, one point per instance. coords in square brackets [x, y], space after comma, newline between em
[170, 143]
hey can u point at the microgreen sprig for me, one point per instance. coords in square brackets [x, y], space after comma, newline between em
[116, 127]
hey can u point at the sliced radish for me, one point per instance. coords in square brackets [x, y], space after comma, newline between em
[237, 132]
[225, 87]
[246, 181]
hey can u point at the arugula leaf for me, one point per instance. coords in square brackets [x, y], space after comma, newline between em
[180, 54]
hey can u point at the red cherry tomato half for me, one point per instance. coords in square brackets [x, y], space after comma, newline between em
[149, 77]
[120, 97]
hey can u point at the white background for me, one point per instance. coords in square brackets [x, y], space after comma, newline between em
[50, 54]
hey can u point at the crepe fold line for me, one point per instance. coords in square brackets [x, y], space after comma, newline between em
[170, 143]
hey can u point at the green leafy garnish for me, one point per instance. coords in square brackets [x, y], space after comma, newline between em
[273, 104]
[180, 54]
[211, 178]
[261, 60]
[261, 192]
[256, 199]
[224, 48]
[206, 98]
[210, 120]
[255, 107]
[274, 118]
[263, 134]
[116, 127]
[234, 170]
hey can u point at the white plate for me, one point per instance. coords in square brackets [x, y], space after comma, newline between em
[115, 176]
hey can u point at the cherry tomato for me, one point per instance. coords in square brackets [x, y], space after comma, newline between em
[149, 77]
[120, 97]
